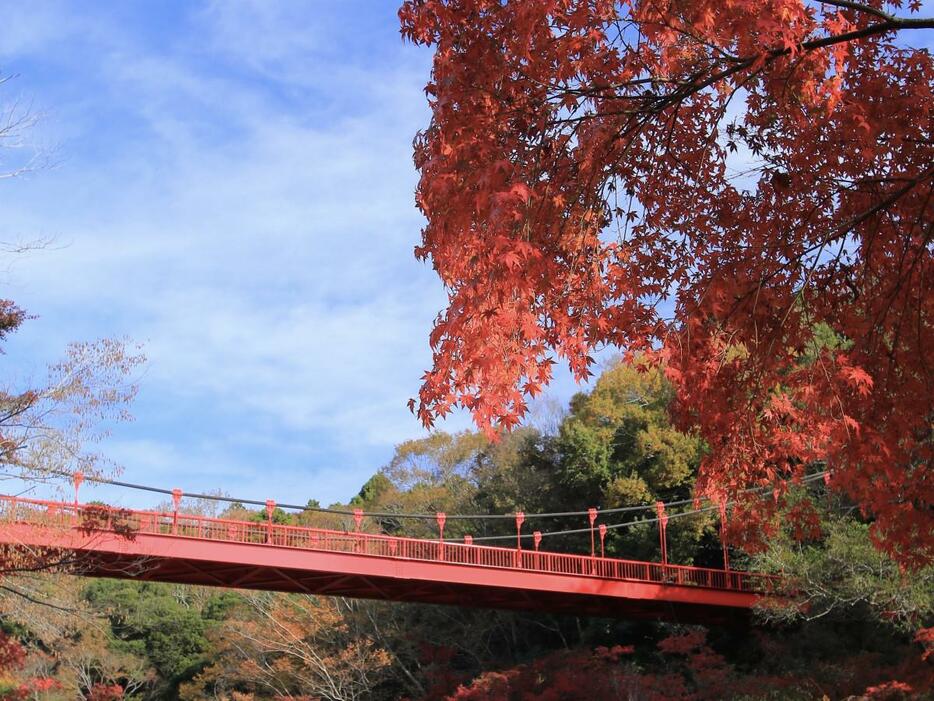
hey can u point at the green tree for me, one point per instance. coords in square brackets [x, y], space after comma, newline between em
[146, 619]
[618, 448]
[617, 445]
[840, 575]
[372, 490]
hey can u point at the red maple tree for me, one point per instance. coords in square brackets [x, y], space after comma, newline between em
[16, 687]
[742, 189]
[687, 668]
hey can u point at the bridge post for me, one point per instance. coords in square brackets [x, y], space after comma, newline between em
[270, 508]
[663, 531]
[726, 549]
[357, 521]
[536, 540]
[520, 519]
[592, 516]
[176, 500]
[441, 517]
[602, 538]
[77, 479]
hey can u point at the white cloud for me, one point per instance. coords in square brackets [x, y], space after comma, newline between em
[241, 200]
[27, 32]
[262, 253]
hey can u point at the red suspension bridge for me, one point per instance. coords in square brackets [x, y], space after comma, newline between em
[192, 549]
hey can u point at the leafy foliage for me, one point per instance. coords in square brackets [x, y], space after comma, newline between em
[841, 574]
[13, 686]
[690, 670]
[146, 619]
[50, 429]
[295, 646]
[618, 443]
[709, 182]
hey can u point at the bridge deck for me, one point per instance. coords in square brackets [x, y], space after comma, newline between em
[218, 552]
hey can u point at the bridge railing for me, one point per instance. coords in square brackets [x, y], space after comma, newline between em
[96, 518]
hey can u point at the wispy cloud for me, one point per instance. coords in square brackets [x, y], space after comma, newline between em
[237, 193]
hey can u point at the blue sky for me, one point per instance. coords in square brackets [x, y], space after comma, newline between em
[232, 185]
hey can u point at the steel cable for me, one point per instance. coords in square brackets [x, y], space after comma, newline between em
[449, 517]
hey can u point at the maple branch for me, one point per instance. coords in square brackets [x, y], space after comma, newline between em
[859, 7]
[894, 24]
[841, 230]
[691, 87]
[847, 226]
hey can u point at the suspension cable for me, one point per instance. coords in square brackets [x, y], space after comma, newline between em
[432, 517]
[627, 524]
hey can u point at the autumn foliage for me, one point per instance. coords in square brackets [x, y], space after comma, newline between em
[689, 670]
[13, 686]
[742, 188]
[686, 667]
[105, 692]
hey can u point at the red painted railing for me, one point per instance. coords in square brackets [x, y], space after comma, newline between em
[92, 518]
